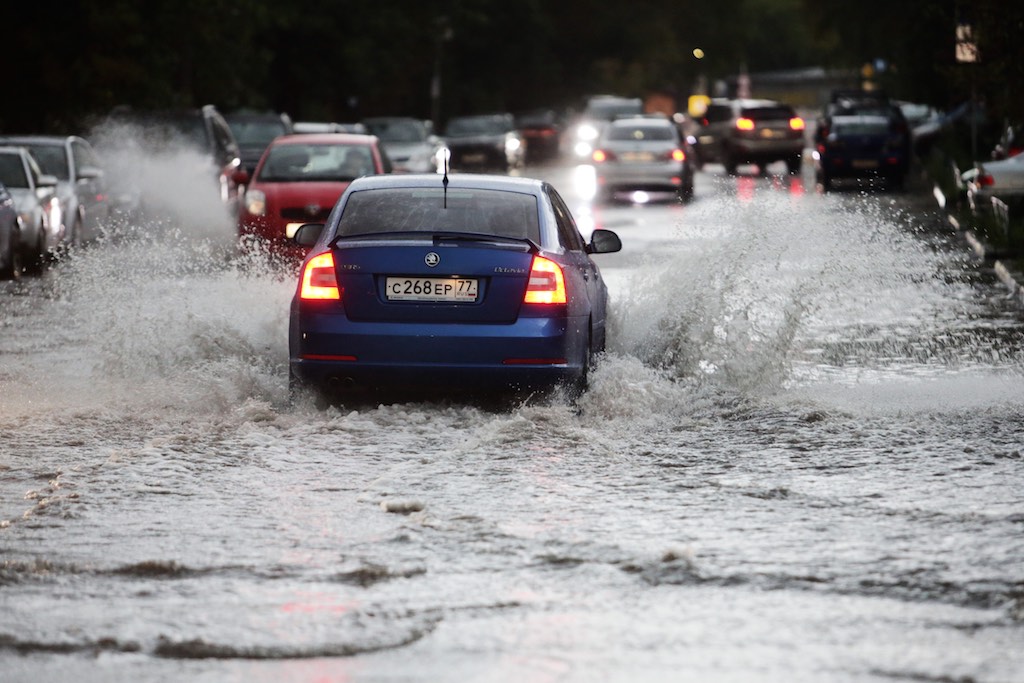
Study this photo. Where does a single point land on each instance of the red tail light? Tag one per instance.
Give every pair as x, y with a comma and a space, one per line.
744, 123
319, 280
547, 284
985, 180
796, 123
677, 155
600, 156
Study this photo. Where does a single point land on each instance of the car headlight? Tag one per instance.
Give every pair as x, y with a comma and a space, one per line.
256, 202
512, 144
586, 132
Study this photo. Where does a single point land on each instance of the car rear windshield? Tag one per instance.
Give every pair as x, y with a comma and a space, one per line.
861, 127
769, 113
490, 212
641, 133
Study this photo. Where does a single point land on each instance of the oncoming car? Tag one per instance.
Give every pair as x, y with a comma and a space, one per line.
298, 180
482, 284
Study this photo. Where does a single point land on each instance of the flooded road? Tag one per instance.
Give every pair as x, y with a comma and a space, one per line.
801, 460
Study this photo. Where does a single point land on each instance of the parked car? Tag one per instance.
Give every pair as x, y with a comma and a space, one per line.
11, 250
173, 131
298, 180
1003, 179
870, 146
748, 131
541, 130
480, 284
254, 131
409, 143
643, 153
35, 199
81, 187
598, 111
484, 142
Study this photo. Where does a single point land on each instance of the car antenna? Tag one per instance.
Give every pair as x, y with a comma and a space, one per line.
444, 181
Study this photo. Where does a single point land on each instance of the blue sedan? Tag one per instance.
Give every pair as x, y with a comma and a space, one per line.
457, 285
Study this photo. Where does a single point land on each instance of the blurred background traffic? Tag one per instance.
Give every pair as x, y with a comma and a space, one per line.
129, 109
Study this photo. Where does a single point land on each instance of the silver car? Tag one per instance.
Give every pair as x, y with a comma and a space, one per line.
81, 190
643, 153
10, 237
410, 143
35, 199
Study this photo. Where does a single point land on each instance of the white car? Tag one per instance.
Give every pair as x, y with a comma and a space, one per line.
1003, 179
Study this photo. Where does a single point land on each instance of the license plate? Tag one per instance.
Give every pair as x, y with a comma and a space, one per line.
637, 156
435, 289
474, 158
865, 163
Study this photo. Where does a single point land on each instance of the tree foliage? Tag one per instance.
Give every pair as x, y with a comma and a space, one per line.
342, 60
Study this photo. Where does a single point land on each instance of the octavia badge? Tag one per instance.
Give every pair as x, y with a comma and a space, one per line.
432, 259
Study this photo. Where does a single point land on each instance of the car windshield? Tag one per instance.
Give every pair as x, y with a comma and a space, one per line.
310, 162
256, 133
398, 131
52, 159
490, 212
12, 172
477, 125
640, 133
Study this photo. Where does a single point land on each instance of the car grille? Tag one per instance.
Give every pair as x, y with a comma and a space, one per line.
300, 213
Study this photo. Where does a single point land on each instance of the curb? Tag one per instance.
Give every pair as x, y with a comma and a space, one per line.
978, 247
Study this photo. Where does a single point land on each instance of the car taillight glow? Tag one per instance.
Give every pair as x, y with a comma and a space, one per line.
600, 156
319, 280
744, 123
678, 155
985, 180
796, 123
546, 285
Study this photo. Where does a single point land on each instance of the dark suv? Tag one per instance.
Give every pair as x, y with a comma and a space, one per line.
734, 132
169, 131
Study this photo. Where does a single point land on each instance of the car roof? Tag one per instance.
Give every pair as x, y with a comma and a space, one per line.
480, 181
642, 120
860, 118
324, 139
38, 139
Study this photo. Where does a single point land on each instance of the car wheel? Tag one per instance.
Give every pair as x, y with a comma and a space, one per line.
730, 162
34, 260
12, 270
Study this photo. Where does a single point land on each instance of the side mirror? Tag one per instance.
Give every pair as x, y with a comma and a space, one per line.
604, 242
47, 180
89, 173
307, 235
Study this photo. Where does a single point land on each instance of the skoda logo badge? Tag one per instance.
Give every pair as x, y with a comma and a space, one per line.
312, 209
432, 259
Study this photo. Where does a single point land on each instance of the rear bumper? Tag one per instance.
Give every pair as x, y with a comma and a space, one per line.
642, 176
333, 352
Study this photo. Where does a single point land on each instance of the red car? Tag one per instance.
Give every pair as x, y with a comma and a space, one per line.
298, 180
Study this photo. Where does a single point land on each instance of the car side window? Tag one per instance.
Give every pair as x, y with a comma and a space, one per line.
568, 234
83, 155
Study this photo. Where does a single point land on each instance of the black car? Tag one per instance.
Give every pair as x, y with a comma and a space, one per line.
541, 130
869, 146
484, 142
254, 131
133, 136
